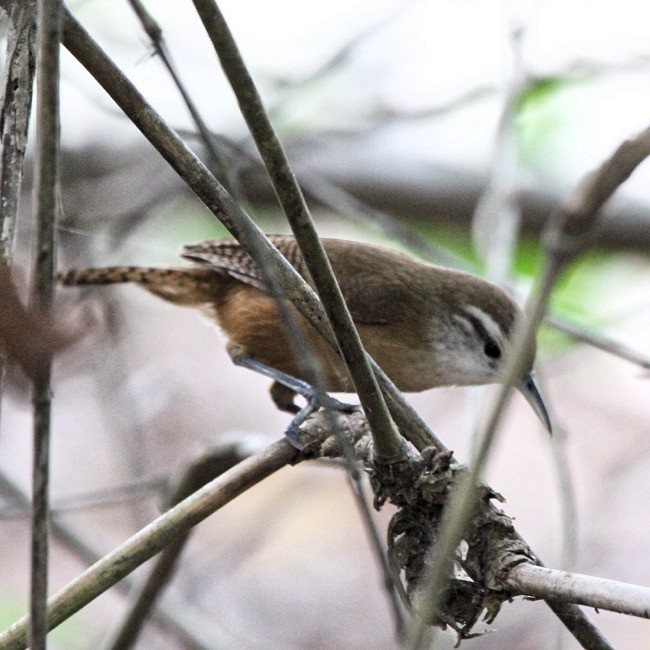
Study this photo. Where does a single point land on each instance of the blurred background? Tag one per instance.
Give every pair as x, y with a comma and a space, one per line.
448, 129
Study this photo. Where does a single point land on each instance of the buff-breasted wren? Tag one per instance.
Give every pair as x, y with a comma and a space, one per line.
425, 325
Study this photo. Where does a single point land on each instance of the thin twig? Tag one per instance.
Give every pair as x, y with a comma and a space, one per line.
600, 593
497, 215
135, 489
46, 205
155, 34
386, 437
597, 340
391, 576
152, 539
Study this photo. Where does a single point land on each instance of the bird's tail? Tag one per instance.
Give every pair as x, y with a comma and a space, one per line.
184, 286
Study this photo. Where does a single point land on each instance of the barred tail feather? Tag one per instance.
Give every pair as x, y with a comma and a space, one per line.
185, 286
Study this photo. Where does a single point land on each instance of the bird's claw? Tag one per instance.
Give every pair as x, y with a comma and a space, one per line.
315, 401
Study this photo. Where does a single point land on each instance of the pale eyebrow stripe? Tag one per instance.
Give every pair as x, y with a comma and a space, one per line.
480, 328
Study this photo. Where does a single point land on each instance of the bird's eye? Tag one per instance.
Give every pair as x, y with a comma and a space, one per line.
492, 350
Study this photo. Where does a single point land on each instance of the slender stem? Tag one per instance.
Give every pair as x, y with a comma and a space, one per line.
155, 34
47, 170
385, 435
596, 340
595, 592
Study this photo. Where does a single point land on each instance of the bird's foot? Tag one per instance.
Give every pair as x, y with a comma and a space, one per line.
315, 401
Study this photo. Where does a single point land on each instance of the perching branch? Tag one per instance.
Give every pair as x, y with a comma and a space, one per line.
540, 582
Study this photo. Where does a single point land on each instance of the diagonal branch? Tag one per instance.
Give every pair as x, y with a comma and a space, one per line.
151, 540
385, 434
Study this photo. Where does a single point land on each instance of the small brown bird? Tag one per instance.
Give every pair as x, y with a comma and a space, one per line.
425, 325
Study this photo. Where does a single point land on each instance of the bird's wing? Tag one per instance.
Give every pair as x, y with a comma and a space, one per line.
227, 255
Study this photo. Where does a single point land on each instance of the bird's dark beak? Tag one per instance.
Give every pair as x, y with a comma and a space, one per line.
531, 393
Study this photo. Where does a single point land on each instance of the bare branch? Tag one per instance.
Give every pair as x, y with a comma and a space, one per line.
385, 434
531, 580
152, 539
604, 343
46, 206
571, 229
136, 489
194, 476
155, 34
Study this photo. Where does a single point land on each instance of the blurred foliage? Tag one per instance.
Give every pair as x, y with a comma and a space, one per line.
10, 610
542, 117
69, 634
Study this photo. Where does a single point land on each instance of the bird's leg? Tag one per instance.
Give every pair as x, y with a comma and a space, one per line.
285, 387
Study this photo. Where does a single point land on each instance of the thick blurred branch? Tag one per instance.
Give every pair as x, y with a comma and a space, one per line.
422, 194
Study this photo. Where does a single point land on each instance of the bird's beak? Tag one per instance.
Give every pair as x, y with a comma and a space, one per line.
531, 393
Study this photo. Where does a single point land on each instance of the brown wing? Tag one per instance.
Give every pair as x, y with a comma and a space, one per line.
369, 276
228, 256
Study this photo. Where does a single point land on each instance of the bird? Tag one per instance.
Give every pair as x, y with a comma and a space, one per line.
425, 325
